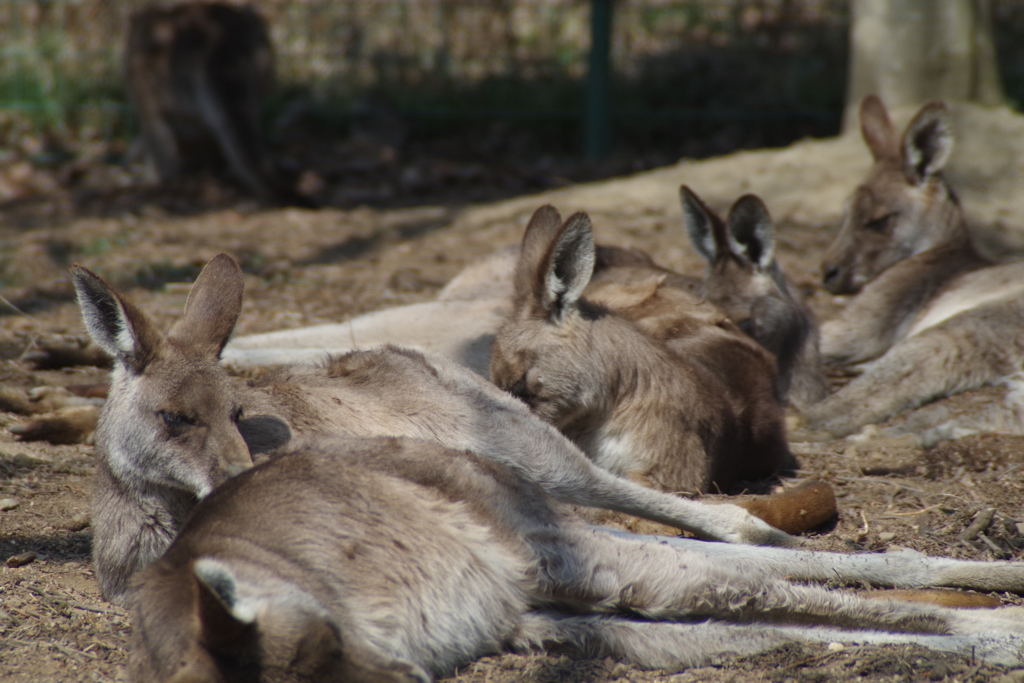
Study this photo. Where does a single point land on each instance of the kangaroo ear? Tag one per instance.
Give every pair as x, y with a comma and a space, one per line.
113, 322
752, 231
540, 232
568, 267
212, 308
223, 618
877, 129
927, 143
706, 230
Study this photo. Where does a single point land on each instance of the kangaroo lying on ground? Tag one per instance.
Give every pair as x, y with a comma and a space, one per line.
932, 315
476, 302
175, 424
745, 281
649, 381
368, 560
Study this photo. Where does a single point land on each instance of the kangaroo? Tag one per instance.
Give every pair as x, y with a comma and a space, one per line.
932, 315
745, 281
175, 425
398, 560
196, 73
476, 302
650, 382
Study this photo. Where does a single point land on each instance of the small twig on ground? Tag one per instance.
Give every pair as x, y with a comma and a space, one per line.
39, 325
980, 523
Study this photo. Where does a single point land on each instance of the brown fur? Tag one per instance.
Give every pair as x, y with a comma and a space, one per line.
937, 596
634, 373
744, 279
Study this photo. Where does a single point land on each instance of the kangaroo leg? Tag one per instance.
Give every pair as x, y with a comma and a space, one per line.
970, 350
903, 569
662, 581
673, 646
504, 431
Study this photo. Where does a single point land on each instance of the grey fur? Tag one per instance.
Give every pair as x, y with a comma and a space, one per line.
176, 426
397, 560
745, 281
932, 315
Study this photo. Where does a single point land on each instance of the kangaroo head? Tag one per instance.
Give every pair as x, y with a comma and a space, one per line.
204, 624
740, 252
904, 207
171, 419
743, 278
544, 353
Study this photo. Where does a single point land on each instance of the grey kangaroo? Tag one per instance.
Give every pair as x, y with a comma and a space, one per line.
398, 560
932, 315
649, 381
745, 281
175, 425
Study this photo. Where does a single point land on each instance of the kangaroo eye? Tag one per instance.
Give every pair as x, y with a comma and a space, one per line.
881, 224
175, 420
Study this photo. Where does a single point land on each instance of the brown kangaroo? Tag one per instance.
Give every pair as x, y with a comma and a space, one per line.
397, 560
745, 281
197, 73
649, 381
932, 315
175, 425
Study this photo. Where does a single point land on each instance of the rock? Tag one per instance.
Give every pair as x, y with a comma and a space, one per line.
9, 504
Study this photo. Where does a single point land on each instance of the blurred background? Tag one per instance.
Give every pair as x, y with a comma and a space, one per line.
394, 102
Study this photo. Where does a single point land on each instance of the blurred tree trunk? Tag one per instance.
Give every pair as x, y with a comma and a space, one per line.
914, 51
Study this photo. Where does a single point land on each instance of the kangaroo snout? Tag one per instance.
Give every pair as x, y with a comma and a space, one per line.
234, 456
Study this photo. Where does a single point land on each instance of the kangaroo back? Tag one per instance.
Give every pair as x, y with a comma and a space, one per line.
744, 279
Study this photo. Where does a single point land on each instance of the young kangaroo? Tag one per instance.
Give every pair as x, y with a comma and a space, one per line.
745, 281
933, 315
196, 73
396, 560
650, 382
175, 426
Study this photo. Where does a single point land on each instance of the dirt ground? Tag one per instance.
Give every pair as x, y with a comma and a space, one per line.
304, 267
